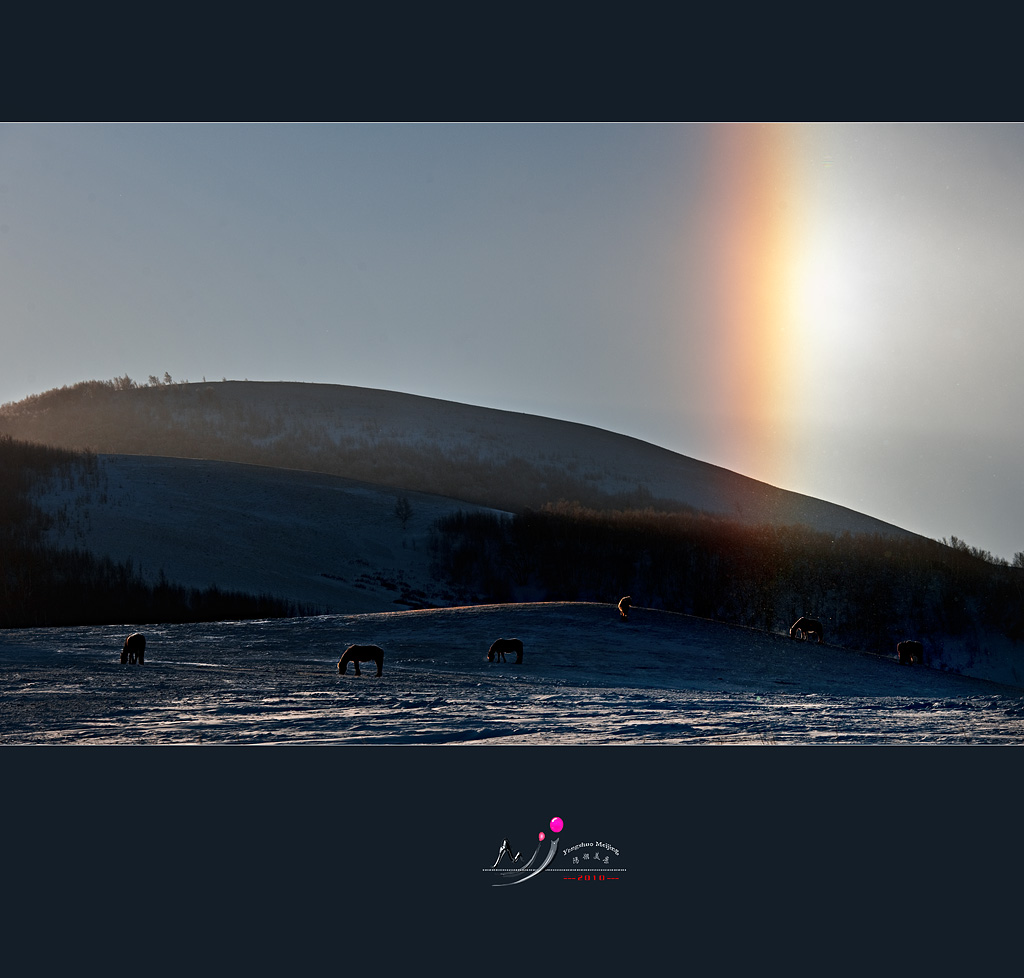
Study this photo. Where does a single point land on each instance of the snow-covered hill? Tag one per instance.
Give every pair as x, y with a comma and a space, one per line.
319, 540
328, 544
339, 545
407, 442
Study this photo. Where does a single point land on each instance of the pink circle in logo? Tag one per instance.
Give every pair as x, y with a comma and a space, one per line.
540, 837
556, 825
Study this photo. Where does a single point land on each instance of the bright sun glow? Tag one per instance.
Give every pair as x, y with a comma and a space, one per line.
825, 303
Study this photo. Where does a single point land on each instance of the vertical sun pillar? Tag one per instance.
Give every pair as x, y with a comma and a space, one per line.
752, 219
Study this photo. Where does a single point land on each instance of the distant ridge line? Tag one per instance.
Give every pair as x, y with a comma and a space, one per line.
486, 456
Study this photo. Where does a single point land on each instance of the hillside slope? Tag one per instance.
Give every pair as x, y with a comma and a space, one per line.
334, 545
488, 457
318, 540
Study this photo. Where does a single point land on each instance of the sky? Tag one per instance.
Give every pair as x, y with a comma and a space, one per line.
834, 309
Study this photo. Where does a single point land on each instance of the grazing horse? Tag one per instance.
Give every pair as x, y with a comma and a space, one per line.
807, 627
496, 653
624, 605
134, 649
362, 653
910, 652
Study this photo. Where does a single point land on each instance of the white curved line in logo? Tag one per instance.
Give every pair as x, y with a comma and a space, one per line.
533, 872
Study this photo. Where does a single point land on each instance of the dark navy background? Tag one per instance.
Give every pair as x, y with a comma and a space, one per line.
276, 852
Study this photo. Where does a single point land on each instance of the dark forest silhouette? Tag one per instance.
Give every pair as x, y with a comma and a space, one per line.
870, 591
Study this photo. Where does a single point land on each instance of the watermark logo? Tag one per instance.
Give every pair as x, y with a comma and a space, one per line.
592, 862
580, 862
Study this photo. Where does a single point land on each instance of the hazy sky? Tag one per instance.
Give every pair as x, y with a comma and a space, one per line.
834, 309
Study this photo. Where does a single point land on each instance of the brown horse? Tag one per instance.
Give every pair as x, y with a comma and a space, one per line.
807, 627
910, 652
362, 653
134, 649
497, 652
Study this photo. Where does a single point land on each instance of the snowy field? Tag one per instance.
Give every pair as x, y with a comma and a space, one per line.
587, 678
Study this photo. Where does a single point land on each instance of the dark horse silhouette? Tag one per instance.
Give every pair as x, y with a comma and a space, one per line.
624, 606
134, 649
362, 653
910, 652
807, 627
502, 646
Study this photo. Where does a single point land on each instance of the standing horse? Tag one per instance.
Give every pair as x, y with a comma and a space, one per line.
134, 649
807, 627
